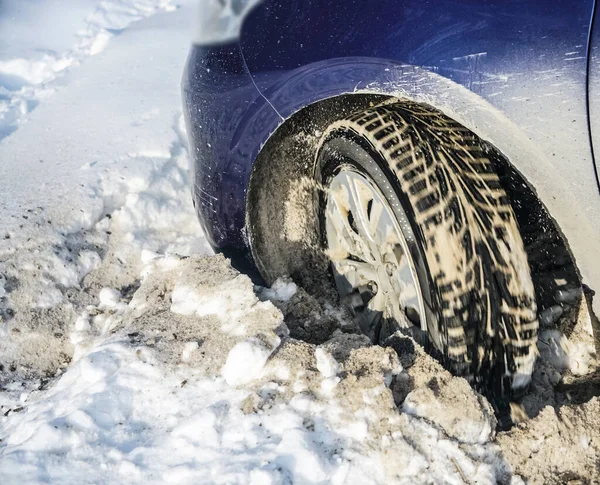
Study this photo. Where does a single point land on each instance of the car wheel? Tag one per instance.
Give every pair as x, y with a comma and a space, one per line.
422, 237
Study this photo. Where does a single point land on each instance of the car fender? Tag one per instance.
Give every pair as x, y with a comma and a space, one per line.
315, 82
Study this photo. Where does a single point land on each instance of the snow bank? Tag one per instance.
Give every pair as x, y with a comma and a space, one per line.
85, 202
231, 407
66, 33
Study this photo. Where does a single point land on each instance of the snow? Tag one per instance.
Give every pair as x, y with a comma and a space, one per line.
326, 364
246, 361
281, 290
129, 353
45, 47
188, 350
109, 297
116, 410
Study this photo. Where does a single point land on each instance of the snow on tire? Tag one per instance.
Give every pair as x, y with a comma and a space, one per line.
479, 281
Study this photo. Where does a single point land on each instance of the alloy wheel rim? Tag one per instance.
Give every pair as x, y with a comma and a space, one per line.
373, 268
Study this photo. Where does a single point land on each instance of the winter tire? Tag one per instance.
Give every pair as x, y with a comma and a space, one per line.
422, 235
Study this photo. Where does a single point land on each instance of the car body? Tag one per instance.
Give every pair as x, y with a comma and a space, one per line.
518, 73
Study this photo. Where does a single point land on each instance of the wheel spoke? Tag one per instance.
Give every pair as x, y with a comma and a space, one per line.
365, 272
369, 321
360, 195
343, 233
377, 303
376, 211
396, 311
372, 263
358, 202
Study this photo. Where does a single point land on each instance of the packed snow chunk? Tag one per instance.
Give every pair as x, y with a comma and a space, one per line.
188, 350
209, 286
186, 301
326, 364
88, 262
581, 358
224, 300
282, 290
452, 405
109, 298
246, 360
147, 256
82, 324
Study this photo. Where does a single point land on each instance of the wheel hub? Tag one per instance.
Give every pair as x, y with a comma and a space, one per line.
373, 269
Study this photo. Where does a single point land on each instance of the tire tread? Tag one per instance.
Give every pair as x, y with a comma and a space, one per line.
486, 299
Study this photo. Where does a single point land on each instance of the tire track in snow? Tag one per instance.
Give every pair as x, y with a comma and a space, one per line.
24, 83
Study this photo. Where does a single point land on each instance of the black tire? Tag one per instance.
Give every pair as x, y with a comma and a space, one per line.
481, 310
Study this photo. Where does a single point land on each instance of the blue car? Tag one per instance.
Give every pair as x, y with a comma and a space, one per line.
433, 159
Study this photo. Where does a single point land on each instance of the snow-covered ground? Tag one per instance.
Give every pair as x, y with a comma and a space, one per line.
130, 354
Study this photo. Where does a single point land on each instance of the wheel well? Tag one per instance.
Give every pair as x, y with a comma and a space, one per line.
282, 195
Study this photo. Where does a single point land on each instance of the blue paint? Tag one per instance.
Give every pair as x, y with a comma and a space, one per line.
526, 58
225, 117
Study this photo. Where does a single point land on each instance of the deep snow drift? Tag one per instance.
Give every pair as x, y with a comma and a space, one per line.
130, 354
